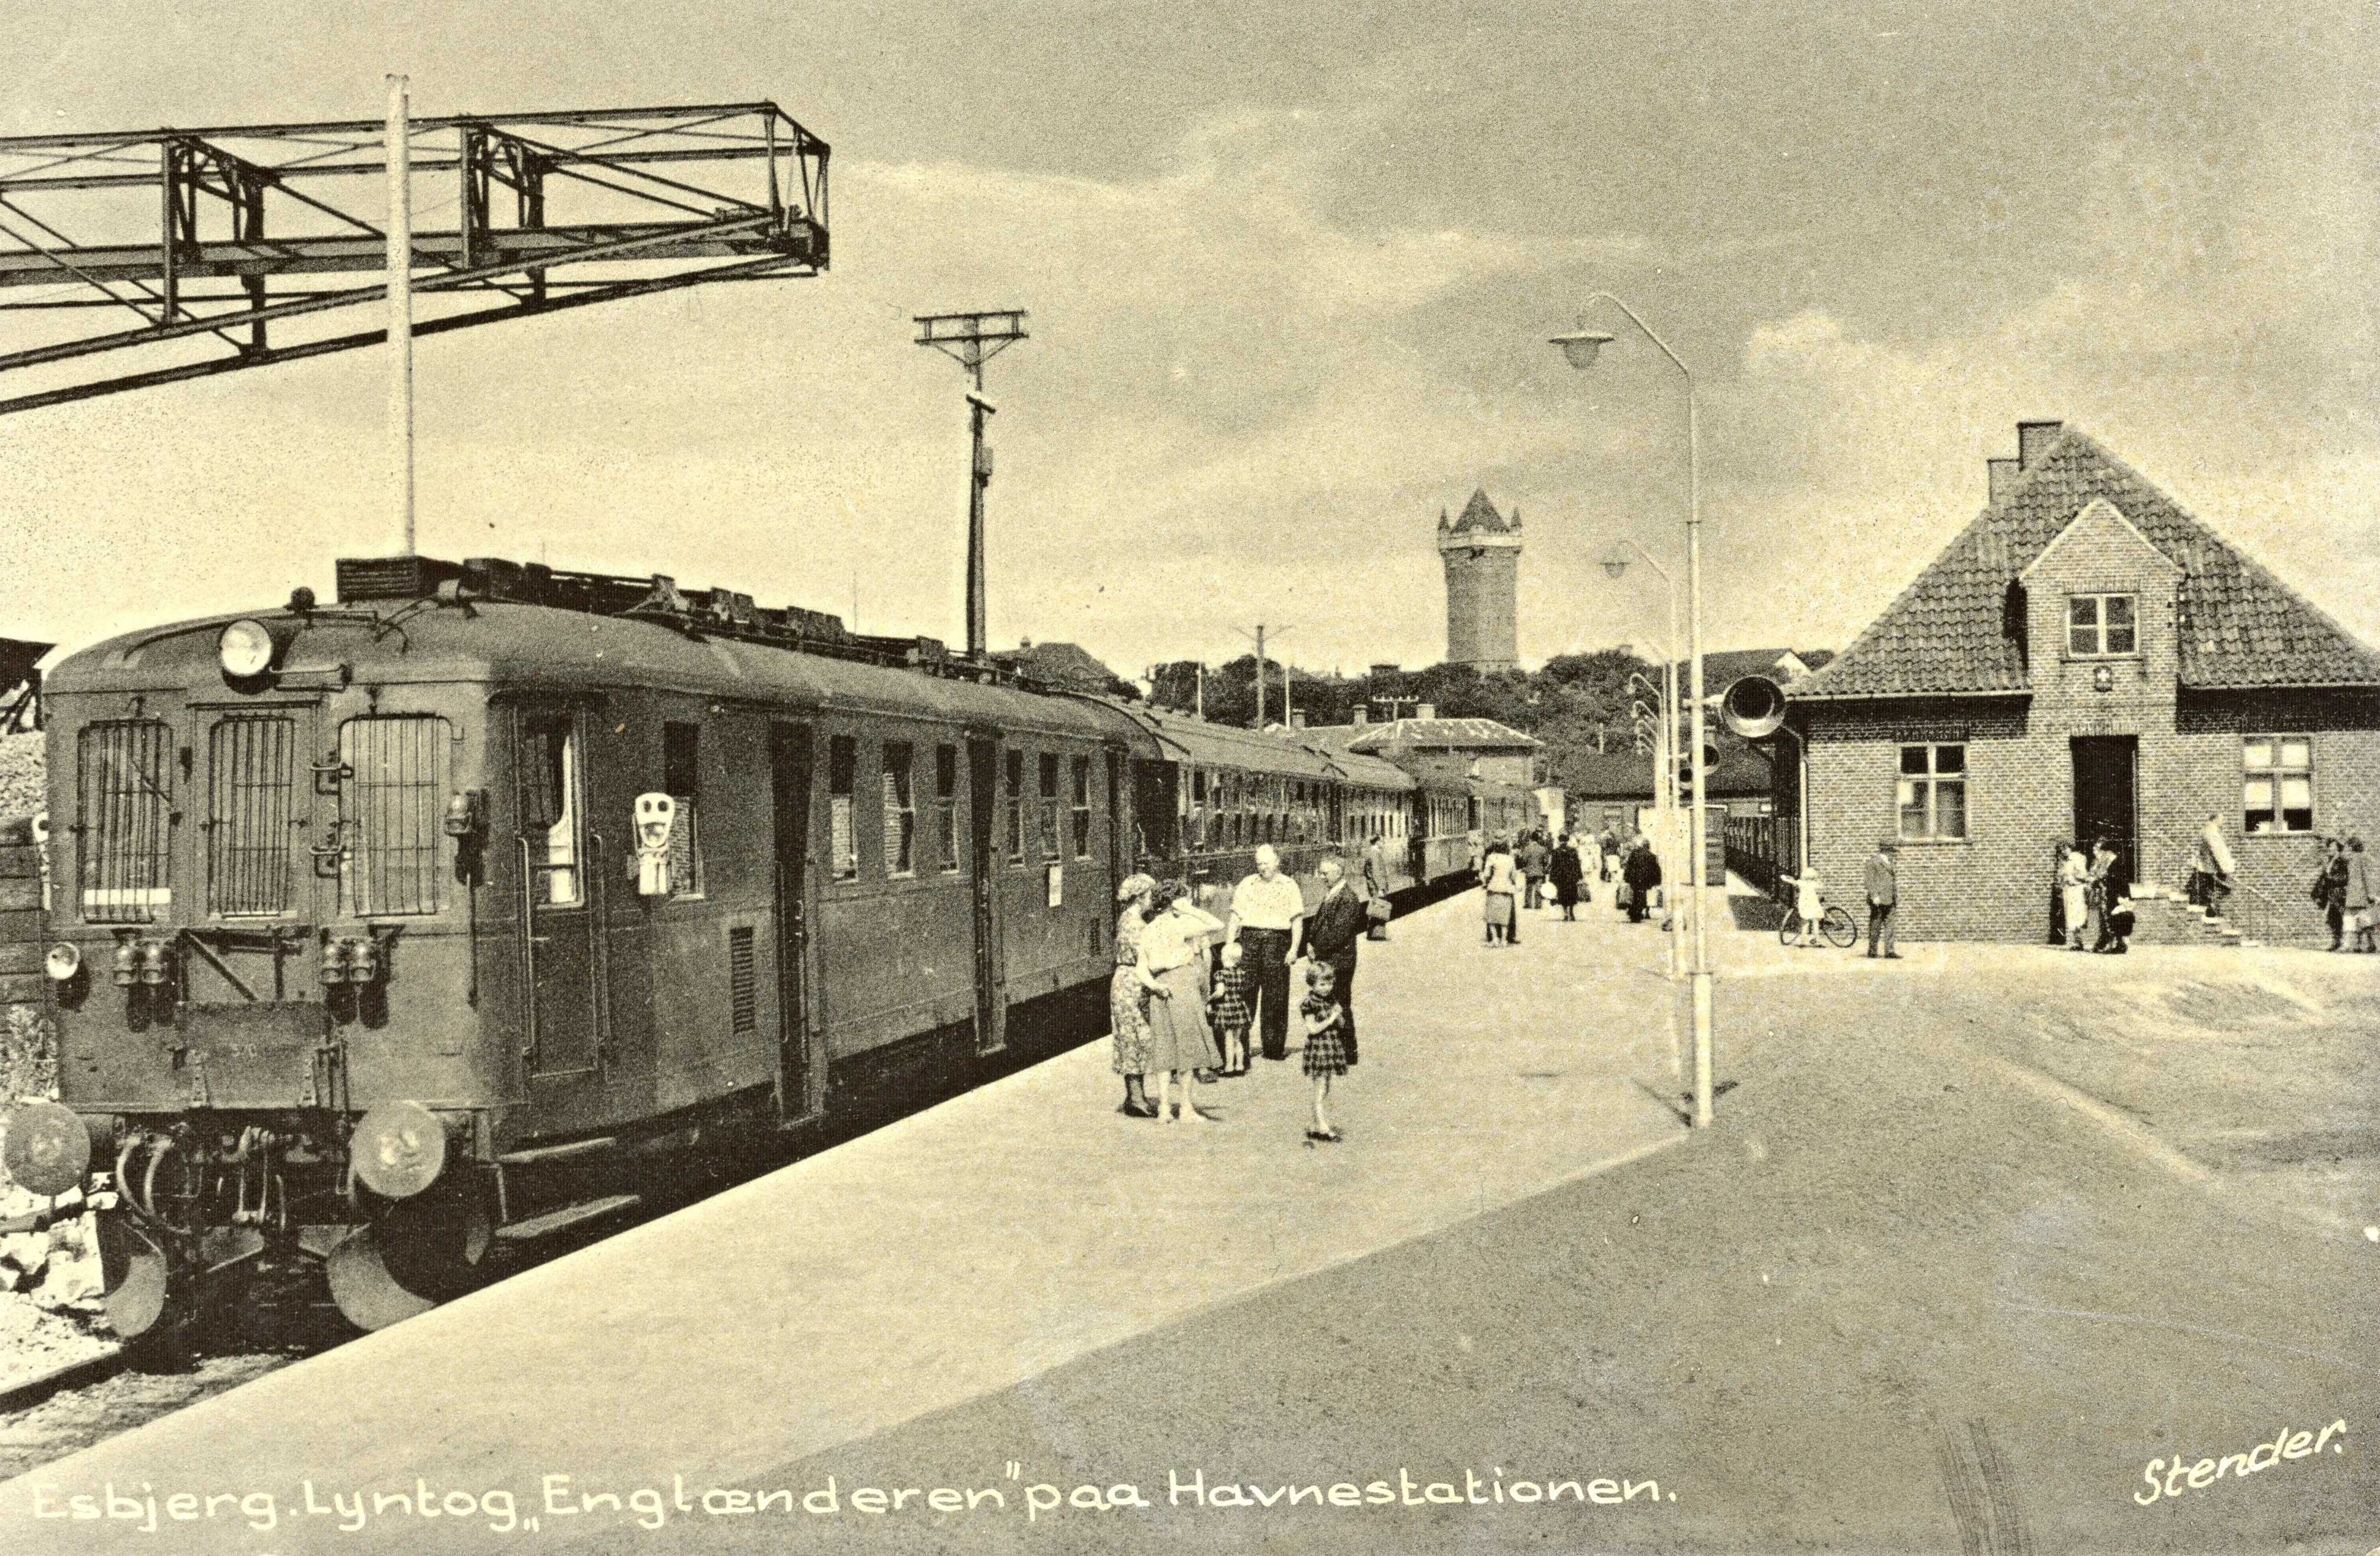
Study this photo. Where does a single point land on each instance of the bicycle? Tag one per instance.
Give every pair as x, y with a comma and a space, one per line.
1835, 926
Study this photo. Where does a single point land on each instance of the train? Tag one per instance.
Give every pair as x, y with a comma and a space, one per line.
453, 913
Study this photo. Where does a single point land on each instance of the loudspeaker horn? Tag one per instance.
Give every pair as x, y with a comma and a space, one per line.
1754, 707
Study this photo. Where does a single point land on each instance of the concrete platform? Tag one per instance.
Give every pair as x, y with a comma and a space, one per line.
956, 1253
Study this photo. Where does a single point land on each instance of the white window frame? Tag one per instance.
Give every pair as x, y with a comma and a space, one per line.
1922, 791
2275, 772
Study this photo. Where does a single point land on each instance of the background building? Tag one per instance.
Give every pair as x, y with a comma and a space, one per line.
1482, 553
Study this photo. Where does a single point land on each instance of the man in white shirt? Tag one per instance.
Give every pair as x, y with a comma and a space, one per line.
1268, 910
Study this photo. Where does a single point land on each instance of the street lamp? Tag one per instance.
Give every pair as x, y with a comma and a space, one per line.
1666, 802
1580, 348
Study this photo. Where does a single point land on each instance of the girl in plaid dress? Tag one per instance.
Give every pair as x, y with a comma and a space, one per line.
1232, 1015
1325, 1052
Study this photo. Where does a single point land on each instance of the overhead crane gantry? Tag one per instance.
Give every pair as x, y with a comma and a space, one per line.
191, 230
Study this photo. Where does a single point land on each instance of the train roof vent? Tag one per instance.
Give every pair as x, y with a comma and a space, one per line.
393, 577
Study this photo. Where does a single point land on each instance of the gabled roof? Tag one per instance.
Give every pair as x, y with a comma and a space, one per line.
2239, 626
1480, 514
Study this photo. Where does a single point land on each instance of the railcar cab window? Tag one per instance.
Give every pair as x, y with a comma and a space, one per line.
251, 776
900, 812
1049, 805
124, 811
1933, 793
2101, 626
682, 780
841, 772
551, 806
946, 805
2278, 791
1082, 816
1016, 807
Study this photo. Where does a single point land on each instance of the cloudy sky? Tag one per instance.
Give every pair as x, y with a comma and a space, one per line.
1291, 268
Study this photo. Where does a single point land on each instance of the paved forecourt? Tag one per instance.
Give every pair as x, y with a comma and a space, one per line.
959, 1252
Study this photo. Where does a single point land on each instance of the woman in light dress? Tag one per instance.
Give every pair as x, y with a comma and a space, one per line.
1128, 1001
1173, 968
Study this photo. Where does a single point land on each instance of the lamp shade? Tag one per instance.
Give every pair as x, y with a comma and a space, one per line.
1581, 345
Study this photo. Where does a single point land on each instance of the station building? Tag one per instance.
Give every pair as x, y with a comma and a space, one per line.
2088, 660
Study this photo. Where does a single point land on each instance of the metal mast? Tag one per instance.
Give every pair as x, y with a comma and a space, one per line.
971, 340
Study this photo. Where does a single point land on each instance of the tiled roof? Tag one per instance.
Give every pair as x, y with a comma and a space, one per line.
1732, 664
1480, 513
1741, 772
2240, 627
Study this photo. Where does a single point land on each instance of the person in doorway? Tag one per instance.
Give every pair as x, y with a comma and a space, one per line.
2360, 914
1325, 1020
1331, 936
2210, 871
1883, 895
2074, 892
1640, 877
2330, 889
2101, 893
1501, 883
1128, 997
1266, 911
1566, 872
1173, 969
1229, 1011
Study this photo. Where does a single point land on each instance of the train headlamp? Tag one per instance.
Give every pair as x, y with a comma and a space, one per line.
156, 962
247, 651
127, 962
334, 961
63, 962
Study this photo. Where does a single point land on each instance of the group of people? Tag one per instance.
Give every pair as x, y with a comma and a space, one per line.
1190, 988
1514, 877
2345, 886
2091, 917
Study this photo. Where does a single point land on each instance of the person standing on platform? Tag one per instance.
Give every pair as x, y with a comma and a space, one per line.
2360, 897
2330, 889
1228, 1009
1267, 908
1331, 936
1173, 970
1608, 846
1883, 897
1500, 879
2074, 892
1641, 876
1532, 857
1325, 1020
1376, 870
1566, 872
1128, 997
2210, 871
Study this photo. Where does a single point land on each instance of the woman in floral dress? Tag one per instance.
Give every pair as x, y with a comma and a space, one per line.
1128, 1000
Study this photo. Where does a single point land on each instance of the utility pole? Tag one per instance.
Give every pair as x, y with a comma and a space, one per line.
400, 308
1259, 641
971, 339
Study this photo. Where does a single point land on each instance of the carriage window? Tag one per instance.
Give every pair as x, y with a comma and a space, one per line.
1049, 805
1082, 807
1016, 805
123, 814
393, 808
946, 805
841, 772
251, 770
682, 780
900, 812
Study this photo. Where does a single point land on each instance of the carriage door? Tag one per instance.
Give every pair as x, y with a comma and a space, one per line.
983, 811
789, 772
558, 887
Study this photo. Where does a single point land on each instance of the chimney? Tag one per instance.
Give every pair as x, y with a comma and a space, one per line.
2000, 473
2033, 440
1363, 716
1426, 710
1297, 718
1381, 672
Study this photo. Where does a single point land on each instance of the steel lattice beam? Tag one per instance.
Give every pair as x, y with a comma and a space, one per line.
189, 230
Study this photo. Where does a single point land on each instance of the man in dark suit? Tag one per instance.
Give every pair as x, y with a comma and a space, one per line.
1883, 885
1333, 935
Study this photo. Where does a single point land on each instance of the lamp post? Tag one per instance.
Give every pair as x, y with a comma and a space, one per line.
1580, 349
1665, 802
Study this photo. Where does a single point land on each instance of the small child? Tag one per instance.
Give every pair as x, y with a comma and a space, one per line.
1229, 1004
1326, 1048
1809, 906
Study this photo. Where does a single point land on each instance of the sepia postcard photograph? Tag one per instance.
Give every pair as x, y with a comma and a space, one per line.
1086, 776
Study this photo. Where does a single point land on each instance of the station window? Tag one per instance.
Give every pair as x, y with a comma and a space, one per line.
1082, 816
2101, 626
549, 808
123, 810
1932, 793
946, 805
900, 811
1016, 806
842, 775
682, 781
251, 773
1049, 805
2279, 785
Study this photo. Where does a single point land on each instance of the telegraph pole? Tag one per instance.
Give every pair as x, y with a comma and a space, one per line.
970, 339
1259, 641
400, 307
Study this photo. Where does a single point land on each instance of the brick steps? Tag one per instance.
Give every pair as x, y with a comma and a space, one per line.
2160, 917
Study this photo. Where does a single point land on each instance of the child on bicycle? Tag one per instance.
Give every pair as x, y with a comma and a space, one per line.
1809, 905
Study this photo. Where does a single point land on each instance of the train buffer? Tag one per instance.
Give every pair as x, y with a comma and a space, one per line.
958, 1251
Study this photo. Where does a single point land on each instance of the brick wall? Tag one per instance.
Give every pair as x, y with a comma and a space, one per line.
1482, 606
